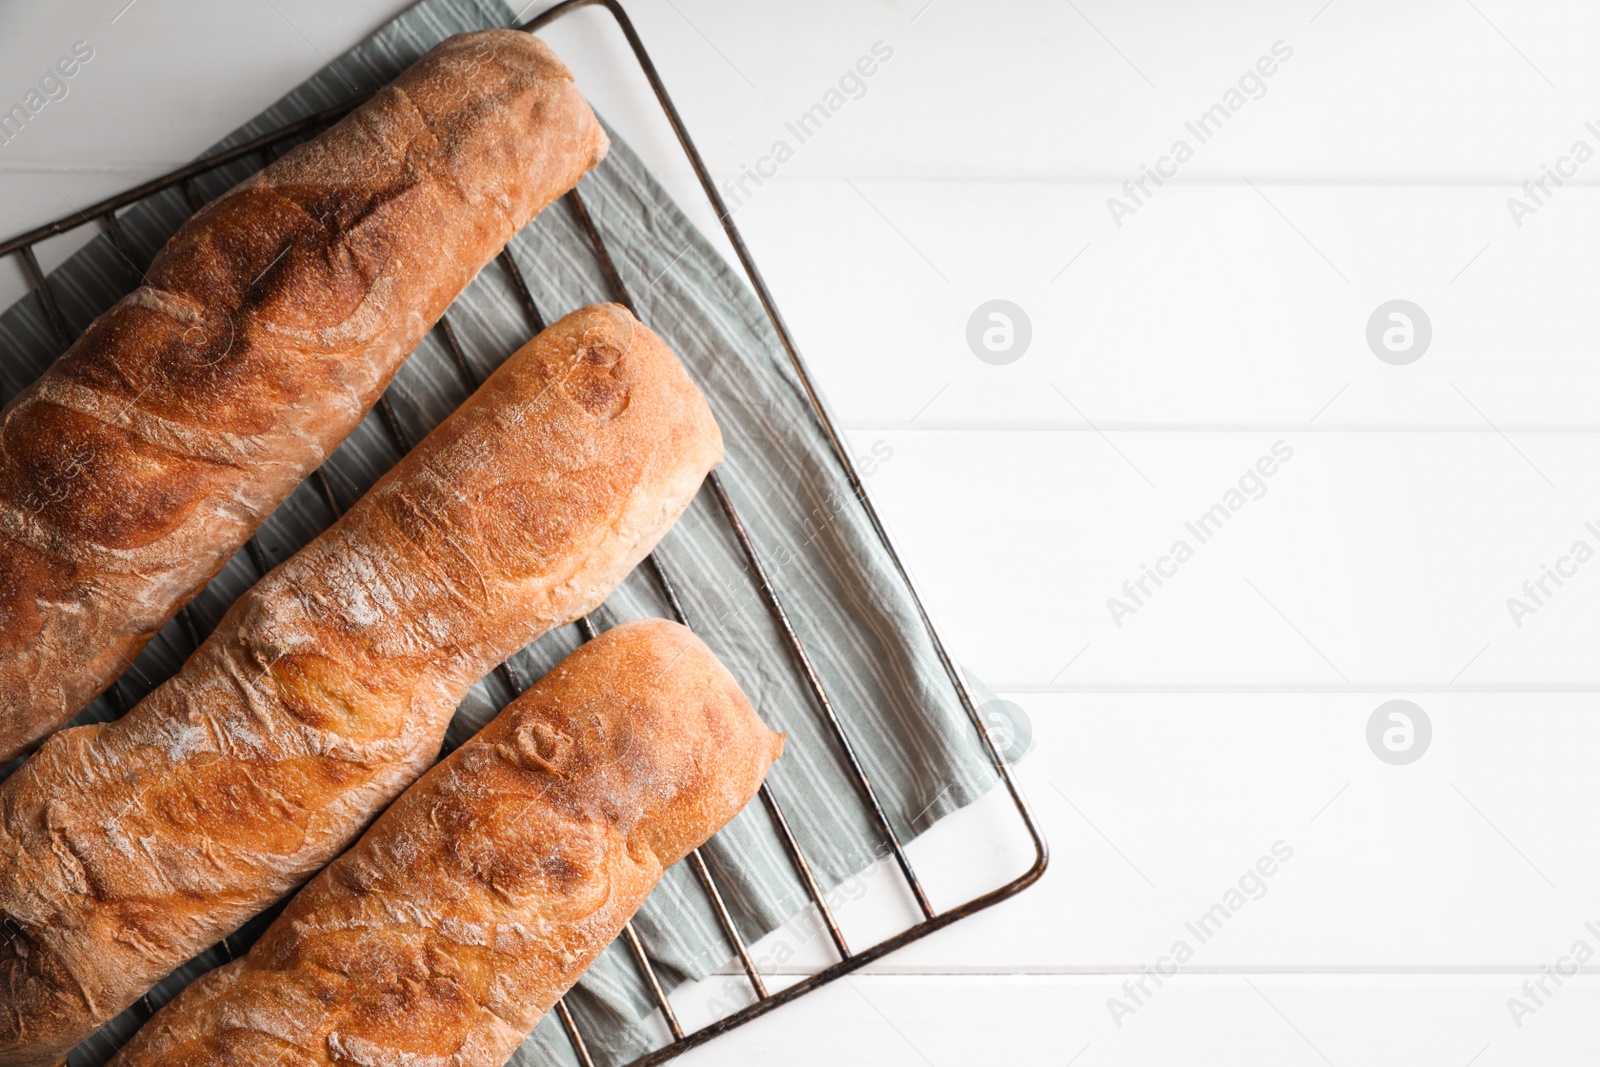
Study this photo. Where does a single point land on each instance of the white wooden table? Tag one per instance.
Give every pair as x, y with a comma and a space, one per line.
1179, 742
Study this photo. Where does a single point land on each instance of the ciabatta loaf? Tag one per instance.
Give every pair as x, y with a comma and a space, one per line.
270, 323
128, 847
484, 892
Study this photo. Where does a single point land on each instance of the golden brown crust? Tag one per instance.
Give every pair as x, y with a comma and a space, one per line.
152, 450
127, 847
483, 893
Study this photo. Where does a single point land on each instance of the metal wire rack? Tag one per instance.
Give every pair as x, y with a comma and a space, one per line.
266, 148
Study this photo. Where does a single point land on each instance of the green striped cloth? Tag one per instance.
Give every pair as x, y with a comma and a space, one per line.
844, 596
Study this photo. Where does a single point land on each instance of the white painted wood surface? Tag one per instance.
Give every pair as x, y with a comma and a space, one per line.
1225, 314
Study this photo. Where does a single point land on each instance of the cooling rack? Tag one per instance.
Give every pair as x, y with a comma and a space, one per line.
265, 148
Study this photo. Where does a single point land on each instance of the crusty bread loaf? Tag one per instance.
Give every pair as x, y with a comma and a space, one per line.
153, 449
484, 892
127, 847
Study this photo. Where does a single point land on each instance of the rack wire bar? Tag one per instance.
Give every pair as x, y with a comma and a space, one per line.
608, 266
835, 724
268, 147
119, 241
258, 557
770, 595
697, 861
190, 630
47, 297
392, 422
656, 992
696, 858
570, 1025
520, 284
768, 797
457, 356
325, 488
802, 866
